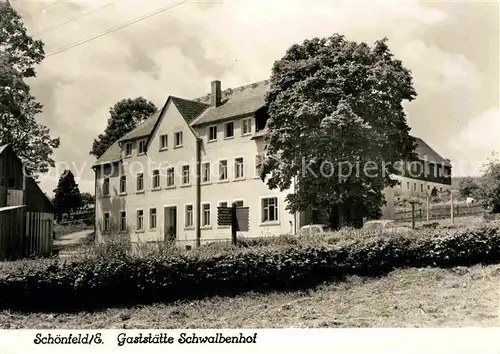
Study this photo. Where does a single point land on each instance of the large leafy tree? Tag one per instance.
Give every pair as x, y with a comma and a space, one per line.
67, 197
337, 126
124, 116
489, 185
19, 54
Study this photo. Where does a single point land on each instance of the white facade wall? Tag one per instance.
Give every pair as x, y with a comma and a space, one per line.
249, 189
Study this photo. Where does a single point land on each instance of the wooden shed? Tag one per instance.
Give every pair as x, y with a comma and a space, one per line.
26, 214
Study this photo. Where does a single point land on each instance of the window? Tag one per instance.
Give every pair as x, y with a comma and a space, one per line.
123, 184
239, 168
223, 204
408, 185
106, 222
246, 126
185, 174
414, 186
223, 170
152, 218
163, 141
269, 209
140, 182
189, 216
428, 187
123, 221
105, 186
142, 146
421, 187
229, 131
212, 133
178, 139
140, 220
128, 149
205, 221
239, 203
170, 177
156, 178
205, 172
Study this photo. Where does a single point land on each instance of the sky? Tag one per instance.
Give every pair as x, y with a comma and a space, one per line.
452, 49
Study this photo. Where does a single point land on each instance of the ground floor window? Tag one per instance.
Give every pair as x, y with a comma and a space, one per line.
269, 209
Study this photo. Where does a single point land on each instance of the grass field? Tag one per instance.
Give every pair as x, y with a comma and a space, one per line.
427, 297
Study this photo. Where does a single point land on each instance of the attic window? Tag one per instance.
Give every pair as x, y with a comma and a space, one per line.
128, 149
178, 139
142, 146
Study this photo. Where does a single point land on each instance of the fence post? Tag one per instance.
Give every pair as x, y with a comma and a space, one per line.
427, 209
412, 215
234, 223
451, 201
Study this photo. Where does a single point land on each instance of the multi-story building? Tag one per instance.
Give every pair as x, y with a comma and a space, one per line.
429, 175
166, 178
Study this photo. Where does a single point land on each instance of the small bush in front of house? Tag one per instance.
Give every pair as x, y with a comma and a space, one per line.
115, 276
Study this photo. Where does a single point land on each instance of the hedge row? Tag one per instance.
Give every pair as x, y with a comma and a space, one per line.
119, 278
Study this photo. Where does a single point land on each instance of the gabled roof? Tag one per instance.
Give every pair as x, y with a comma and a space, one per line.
236, 102
113, 154
143, 129
425, 152
189, 109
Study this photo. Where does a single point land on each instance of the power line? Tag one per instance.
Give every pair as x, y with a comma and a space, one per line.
73, 19
46, 7
157, 12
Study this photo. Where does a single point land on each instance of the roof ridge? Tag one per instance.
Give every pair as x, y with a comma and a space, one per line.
230, 90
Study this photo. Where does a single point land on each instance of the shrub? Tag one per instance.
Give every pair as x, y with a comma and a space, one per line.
113, 274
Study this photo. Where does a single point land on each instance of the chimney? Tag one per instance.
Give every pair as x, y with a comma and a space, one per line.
216, 93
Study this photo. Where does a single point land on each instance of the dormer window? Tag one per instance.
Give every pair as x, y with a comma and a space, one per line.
142, 147
128, 149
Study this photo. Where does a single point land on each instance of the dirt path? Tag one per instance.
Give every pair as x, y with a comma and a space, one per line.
71, 240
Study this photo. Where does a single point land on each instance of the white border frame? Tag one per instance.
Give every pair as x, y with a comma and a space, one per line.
227, 171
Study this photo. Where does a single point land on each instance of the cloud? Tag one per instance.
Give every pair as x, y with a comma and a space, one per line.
180, 50
474, 144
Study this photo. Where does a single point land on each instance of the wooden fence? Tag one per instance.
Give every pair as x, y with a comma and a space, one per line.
438, 212
25, 234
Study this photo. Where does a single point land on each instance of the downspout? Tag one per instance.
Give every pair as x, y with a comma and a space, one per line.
198, 191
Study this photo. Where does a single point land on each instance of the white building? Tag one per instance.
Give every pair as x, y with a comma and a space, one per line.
147, 185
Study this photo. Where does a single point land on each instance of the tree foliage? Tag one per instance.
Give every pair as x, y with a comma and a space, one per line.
19, 53
124, 116
87, 199
489, 185
337, 125
67, 196
468, 187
